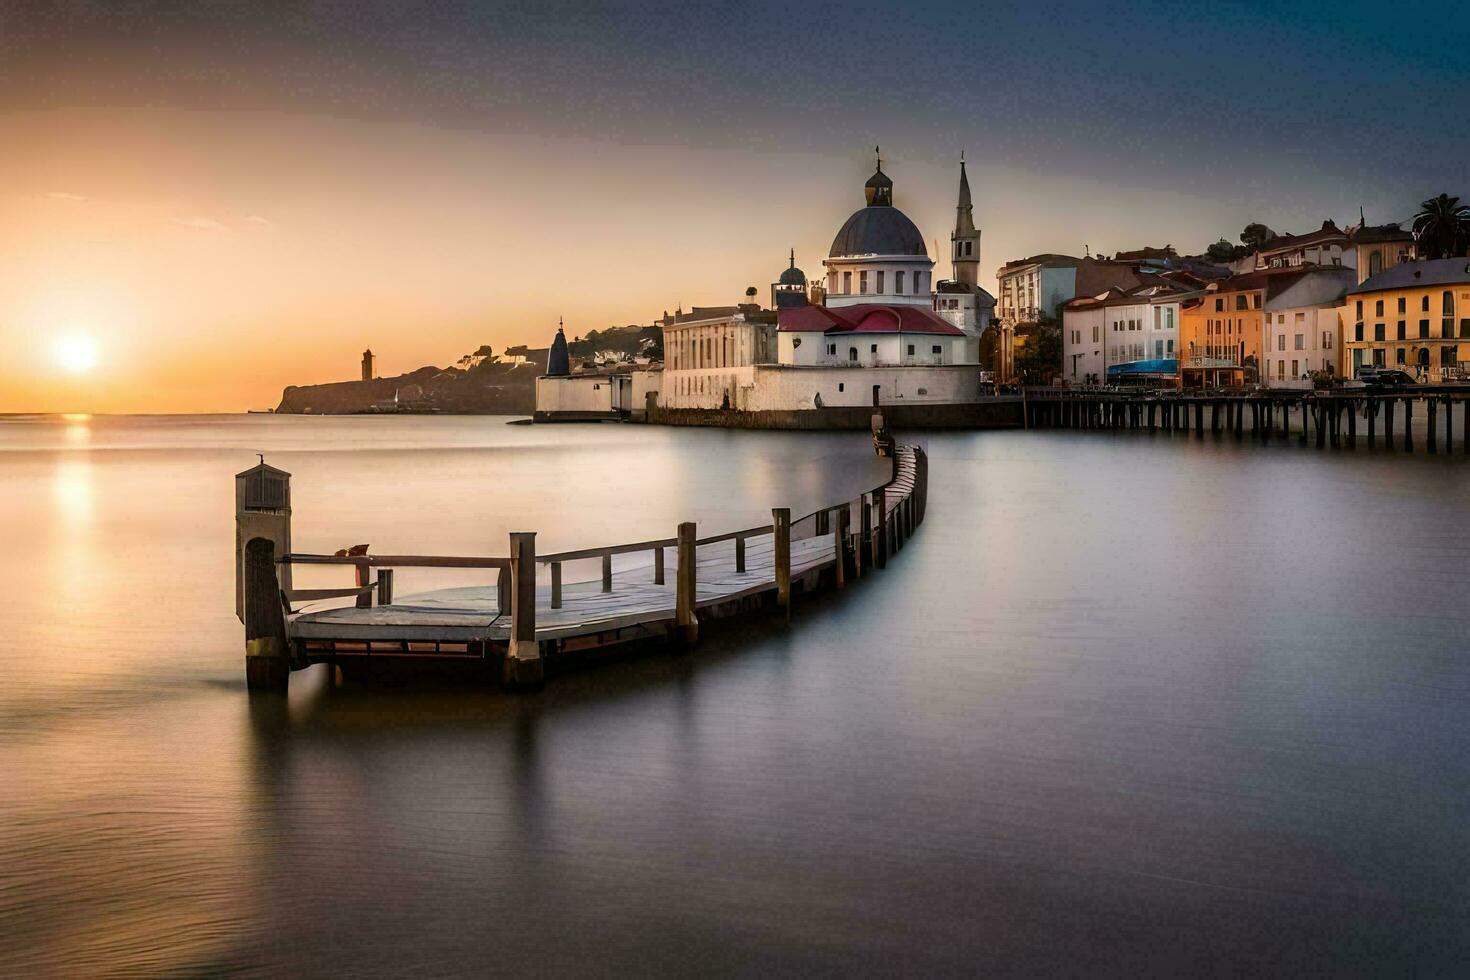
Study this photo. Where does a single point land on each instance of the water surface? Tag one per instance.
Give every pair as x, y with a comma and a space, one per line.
1125, 703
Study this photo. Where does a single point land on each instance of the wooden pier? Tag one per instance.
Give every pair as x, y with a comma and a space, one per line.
518, 624
1336, 417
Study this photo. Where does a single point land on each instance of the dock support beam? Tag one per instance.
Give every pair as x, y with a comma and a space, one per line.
781, 532
739, 556
658, 566
556, 585
267, 651
607, 573
880, 538
524, 669
685, 581
839, 545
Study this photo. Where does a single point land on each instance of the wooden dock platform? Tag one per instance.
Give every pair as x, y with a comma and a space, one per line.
529, 615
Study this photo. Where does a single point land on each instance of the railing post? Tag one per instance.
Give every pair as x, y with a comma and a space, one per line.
267, 650
607, 573
556, 585
860, 553
839, 545
363, 578
385, 586
740, 556
658, 565
523, 666
781, 533
685, 616
502, 592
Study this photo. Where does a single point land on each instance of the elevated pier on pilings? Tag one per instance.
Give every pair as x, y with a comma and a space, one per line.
1339, 418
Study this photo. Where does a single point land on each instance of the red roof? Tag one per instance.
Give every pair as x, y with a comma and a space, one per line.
865, 318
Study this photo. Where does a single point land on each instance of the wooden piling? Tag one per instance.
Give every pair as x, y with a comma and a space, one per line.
739, 556
1388, 422
524, 669
556, 584
781, 532
1449, 425
1431, 405
1409, 424
1371, 408
1352, 419
880, 537
863, 553
607, 573
267, 650
658, 566
385, 586
685, 581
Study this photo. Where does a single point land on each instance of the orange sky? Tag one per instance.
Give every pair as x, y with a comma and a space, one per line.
217, 257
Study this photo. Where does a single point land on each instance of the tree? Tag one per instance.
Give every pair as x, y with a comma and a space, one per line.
1442, 228
1256, 236
1039, 359
1221, 251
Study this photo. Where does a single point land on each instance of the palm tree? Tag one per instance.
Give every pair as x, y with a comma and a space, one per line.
1442, 227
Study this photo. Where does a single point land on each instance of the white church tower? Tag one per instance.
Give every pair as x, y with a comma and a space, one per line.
960, 300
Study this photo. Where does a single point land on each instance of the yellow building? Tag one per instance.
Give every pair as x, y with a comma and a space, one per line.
1220, 334
1414, 316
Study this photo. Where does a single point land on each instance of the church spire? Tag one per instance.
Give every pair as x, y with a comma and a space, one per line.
965, 242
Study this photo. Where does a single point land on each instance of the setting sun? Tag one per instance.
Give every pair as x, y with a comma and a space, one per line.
76, 353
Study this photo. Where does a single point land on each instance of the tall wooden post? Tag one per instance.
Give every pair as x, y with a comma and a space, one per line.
1286, 419
839, 544
503, 590
1449, 425
781, 532
1431, 405
385, 586
1371, 408
556, 585
880, 539
524, 669
1409, 424
1307, 404
686, 617
607, 573
739, 556
267, 650
658, 565
1388, 422
1352, 417
863, 553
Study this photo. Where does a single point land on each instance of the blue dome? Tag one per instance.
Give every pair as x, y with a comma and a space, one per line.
878, 230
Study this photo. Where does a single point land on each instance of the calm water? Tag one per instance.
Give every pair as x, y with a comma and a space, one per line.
1124, 704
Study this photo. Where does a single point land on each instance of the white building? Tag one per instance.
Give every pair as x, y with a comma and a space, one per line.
1302, 325
1120, 332
710, 354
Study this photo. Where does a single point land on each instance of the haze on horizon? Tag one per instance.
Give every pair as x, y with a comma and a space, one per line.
226, 201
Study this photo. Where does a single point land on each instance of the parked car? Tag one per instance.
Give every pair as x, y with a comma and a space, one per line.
1385, 377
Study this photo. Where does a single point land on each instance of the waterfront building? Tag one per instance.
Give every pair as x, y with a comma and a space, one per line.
1303, 329
1221, 331
367, 364
878, 255
1036, 288
1126, 334
710, 354
1414, 315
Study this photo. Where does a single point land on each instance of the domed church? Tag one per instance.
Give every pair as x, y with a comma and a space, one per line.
878, 255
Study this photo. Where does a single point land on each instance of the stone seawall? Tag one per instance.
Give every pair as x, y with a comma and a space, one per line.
999, 413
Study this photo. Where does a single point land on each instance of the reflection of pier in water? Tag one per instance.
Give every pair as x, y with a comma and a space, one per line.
519, 624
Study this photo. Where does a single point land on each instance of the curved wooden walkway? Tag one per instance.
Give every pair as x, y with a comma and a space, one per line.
522, 616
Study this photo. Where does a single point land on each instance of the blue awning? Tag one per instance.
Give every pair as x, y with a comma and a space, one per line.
1160, 366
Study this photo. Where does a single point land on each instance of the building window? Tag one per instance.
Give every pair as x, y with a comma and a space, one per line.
1403, 335
1219, 304
1378, 332
1360, 309
1448, 306
873, 349
1358, 332
852, 353
847, 283
880, 282
1398, 356
911, 350
1171, 346
1281, 341
863, 282
1378, 308
1293, 367
1256, 301
1424, 303
1423, 329
968, 247
832, 349
1301, 343
1241, 303
1447, 327
1375, 263
840, 386
898, 282
1465, 326
1327, 340
1449, 356
938, 349
1403, 302
1378, 357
